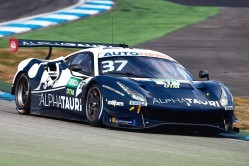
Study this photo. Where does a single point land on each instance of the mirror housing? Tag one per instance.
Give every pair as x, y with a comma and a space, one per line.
204, 74
75, 67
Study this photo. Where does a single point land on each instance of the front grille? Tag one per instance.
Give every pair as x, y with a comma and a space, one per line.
196, 117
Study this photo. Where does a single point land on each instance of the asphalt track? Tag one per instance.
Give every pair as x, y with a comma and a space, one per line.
219, 45
45, 141
32, 140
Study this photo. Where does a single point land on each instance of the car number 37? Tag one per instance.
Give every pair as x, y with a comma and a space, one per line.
117, 65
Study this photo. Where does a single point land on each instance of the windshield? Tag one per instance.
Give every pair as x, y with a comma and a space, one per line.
142, 67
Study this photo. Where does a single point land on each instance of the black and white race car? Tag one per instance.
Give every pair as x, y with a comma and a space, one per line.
118, 86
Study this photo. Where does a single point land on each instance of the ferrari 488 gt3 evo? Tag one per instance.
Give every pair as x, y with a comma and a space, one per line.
118, 86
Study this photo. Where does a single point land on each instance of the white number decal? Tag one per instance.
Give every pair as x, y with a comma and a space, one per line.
122, 65
109, 65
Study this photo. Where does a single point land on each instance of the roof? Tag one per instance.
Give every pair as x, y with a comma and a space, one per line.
109, 52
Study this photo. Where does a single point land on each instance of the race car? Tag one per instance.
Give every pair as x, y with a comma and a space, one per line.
118, 86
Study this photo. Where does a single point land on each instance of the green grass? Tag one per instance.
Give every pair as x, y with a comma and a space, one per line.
134, 21
244, 132
5, 87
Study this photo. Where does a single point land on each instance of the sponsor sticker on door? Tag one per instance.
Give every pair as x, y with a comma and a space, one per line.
73, 82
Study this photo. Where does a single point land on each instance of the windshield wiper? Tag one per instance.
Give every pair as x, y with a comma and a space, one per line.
127, 74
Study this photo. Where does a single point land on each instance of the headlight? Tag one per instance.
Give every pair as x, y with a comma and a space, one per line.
132, 93
223, 98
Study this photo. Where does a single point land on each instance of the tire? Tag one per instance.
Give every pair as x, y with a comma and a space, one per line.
22, 94
94, 106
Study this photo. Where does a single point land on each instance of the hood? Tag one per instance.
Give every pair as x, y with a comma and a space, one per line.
182, 94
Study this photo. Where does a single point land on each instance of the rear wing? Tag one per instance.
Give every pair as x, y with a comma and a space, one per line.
14, 44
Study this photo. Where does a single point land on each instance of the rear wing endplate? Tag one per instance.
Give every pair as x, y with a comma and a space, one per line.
14, 44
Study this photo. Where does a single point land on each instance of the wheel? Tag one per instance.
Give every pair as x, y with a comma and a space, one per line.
22, 93
94, 106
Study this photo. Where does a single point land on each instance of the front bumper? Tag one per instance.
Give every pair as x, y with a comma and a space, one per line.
149, 118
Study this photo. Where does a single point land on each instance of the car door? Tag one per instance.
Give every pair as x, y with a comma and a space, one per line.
77, 81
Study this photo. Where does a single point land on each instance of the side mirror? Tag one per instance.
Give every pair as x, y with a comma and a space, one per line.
75, 67
204, 74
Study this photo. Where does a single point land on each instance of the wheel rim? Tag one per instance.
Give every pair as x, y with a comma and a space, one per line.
94, 104
22, 92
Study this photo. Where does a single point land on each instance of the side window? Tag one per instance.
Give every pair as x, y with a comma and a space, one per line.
85, 60
70, 59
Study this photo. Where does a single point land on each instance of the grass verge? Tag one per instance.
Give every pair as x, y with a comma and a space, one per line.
244, 132
134, 21
242, 112
5, 87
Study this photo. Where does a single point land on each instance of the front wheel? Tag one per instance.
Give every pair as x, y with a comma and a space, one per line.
94, 106
22, 93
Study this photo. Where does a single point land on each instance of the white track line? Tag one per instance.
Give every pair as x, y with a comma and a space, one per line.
77, 11
80, 2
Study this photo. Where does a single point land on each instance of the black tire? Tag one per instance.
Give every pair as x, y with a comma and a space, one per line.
22, 94
94, 106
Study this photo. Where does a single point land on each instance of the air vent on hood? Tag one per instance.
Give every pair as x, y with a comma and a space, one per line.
202, 89
186, 86
144, 88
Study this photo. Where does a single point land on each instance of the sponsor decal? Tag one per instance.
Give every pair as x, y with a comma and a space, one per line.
132, 53
74, 86
63, 44
123, 121
115, 103
63, 102
188, 101
48, 83
138, 109
140, 103
173, 84
70, 91
73, 82
120, 54
155, 54
229, 108
113, 90
81, 84
79, 89
167, 83
13, 43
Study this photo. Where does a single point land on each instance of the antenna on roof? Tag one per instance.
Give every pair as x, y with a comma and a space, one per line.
112, 30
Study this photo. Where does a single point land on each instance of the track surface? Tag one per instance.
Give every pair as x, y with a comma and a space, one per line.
14, 9
52, 142
219, 45
31, 140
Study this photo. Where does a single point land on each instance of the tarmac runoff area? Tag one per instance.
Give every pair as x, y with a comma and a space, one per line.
32, 140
